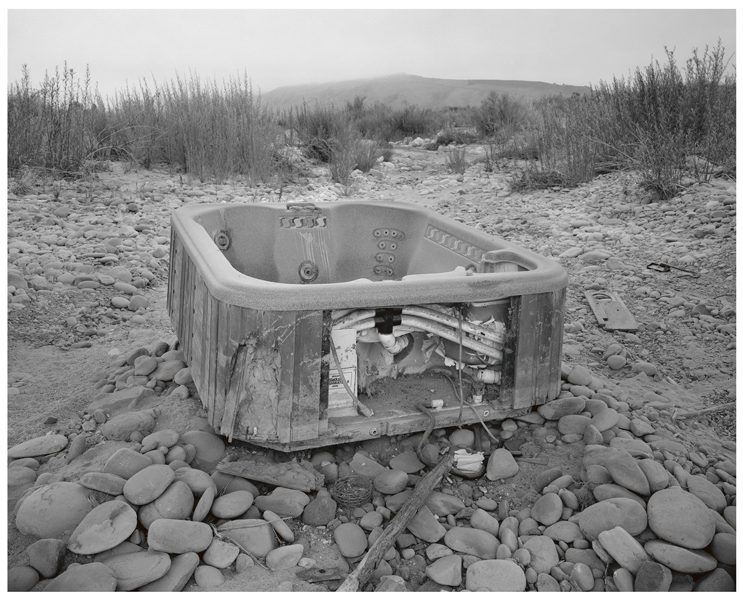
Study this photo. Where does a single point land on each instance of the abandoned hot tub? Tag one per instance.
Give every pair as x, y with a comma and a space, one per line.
273, 304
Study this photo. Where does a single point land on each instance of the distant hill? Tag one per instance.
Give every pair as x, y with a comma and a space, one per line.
424, 92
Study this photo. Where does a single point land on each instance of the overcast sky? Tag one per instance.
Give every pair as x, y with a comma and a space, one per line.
288, 47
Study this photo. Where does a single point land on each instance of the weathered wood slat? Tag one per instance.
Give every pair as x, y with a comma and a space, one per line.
305, 412
558, 311
286, 342
207, 391
543, 349
199, 327
233, 367
526, 368
175, 286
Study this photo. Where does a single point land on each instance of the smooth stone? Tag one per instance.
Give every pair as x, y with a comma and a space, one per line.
321, 510
543, 553
181, 569
608, 491
163, 437
426, 527
655, 473
279, 525
285, 557
210, 448
624, 580
19, 475
573, 424
123, 548
178, 536
583, 577
176, 502
548, 509
729, 515
366, 466
556, 409
605, 419
255, 535
371, 520
443, 504
547, 583
607, 514
446, 570
680, 559
220, 554
205, 504
123, 401
351, 539
707, 492
53, 510
564, 531
232, 505
544, 478
681, 518
407, 461
472, 541
197, 480
167, 369
501, 465
40, 446
592, 435
136, 569
652, 577
723, 548
495, 576
625, 471
391, 481
108, 483
207, 577
284, 502
147, 485
46, 556
104, 527
580, 375
640, 428
718, 580
22, 578
391, 583
395, 503
483, 521
125, 463
435, 551
121, 427
508, 538
92, 577
586, 556
462, 438
623, 548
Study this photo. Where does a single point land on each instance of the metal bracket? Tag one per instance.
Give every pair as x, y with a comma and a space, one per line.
664, 268
610, 311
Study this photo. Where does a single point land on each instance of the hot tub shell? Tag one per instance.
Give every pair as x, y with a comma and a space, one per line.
257, 339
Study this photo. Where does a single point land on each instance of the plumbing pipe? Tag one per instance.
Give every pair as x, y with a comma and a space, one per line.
485, 375
345, 321
497, 336
392, 344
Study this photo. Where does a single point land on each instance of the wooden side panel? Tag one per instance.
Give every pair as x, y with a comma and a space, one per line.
207, 391
285, 324
187, 308
327, 325
543, 348
174, 291
510, 348
527, 351
555, 359
200, 329
305, 414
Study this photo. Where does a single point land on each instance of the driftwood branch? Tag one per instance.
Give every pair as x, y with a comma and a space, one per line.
361, 574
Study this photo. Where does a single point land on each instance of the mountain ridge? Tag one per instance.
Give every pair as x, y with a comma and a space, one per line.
399, 89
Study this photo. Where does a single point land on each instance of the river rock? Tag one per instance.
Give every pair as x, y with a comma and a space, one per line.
573, 424
543, 553
279, 526
123, 401
285, 557
46, 556
177, 536
586, 556
371, 520
232, 505
181, 568
707, 492
205, 504
321, 510
564, 531
210, 449
483, 521
125, 462
136, 569
501, 465
351, 539
605, 515
548, 509
92, 577
547, 583
255, 535
148, 484
680, 559
605, 419
443, 504
22, 578
391, 481
624, 471
681, 518
207, 577
655, 473
197, 480
583, 577
284, 502
718, 580
108, 483
495, 576
220, 554
176, 502
472, 541
446, 571
164, 437
40, 446
54, 510
607, 491
623, 548
104, 527
366, 466
723, 548
462, 438
556, 409
425, 526
407, 461
652, 577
